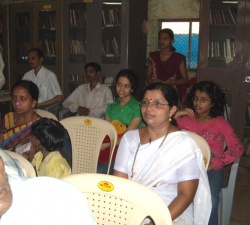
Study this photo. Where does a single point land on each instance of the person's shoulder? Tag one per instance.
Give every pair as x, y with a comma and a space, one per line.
220, 120
103, 86
179, 55
134, 101
155, 53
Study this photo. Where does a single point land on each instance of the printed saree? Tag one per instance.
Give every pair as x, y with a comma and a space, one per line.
14, 135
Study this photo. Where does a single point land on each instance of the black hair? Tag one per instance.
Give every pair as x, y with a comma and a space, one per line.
170, 34
50, 133
29, 86
94, 65
38, 51
168, 91
128, 74
215, 94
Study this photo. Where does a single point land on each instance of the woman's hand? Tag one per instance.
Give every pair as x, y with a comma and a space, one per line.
184, 112
186, 192
210, 166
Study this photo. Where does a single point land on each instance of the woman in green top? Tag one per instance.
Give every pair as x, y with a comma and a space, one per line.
124, 114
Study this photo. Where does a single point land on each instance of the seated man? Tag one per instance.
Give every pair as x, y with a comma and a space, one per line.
49, 90
90, 99
40, 200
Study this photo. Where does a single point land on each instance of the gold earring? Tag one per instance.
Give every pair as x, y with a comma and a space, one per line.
169, 119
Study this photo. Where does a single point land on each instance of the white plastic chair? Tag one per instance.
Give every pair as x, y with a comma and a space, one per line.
86, 135
202, 143
114, 200
26, 165
226, 196
47, 114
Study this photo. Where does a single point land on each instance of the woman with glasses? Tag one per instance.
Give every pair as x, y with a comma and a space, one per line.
204, 116
166, 159
124, 113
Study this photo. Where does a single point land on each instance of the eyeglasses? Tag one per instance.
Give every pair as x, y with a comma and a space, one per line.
156, 104
202, 100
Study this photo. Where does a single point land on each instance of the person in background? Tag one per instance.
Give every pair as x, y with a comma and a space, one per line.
168, 66
90, 99
49, 90
166, 159
47, 137
204, 116
124, 114
16, 126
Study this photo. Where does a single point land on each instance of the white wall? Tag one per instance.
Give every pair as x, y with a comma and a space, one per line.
167, 9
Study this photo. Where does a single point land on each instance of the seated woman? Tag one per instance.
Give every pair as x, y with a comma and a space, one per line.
47, 137
124, 113
166, 159
16, 126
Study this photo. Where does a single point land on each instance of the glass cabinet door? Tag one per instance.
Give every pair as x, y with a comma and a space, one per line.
77, 33
222, 33
47, 35
22, 37
111, 32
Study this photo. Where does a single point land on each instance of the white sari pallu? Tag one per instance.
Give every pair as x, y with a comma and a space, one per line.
157, 168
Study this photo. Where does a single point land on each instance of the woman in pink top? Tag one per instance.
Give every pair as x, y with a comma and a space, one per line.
204, 116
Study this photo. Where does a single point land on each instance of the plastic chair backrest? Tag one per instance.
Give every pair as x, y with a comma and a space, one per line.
202, 143
47, 114
115, 200
86, 135
27, 166
226, 196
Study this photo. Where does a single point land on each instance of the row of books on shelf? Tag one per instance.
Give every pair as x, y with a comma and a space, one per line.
76, 78
77, 47
22, 22
48, 47
110, 47
77, 18
47, 20
221, 49
111, 16
225, 15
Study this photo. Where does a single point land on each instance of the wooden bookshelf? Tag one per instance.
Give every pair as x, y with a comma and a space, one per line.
113, 38
36, 25
225, 57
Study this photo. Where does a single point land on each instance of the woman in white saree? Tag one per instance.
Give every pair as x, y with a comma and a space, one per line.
165, 159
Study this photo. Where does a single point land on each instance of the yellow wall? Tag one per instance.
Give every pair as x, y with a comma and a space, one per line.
167, 9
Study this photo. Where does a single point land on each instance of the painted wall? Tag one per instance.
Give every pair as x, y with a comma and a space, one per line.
167, 9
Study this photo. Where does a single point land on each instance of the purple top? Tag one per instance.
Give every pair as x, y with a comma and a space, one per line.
164, 70
218, 133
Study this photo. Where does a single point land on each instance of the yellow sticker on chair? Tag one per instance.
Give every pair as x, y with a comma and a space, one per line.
205, 160
87, 122
106, 186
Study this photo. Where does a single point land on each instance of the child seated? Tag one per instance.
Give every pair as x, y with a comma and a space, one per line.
47, 137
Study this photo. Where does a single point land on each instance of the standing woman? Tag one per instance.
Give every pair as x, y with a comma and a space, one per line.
124, 113
16, 126
166, 65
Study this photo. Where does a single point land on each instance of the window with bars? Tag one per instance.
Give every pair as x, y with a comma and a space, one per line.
186, 35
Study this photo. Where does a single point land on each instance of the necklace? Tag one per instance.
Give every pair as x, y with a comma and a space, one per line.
141, 139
